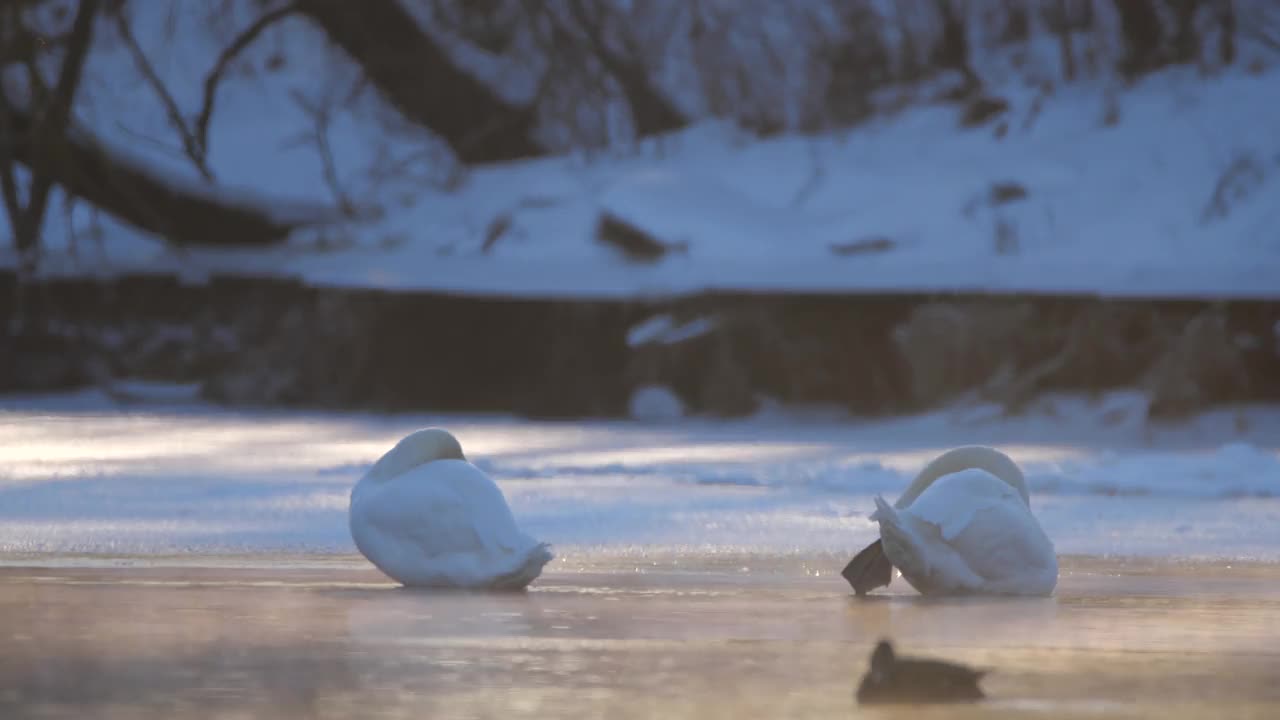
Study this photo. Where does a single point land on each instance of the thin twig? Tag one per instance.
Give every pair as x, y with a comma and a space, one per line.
320, 113
157, 143
593, 30
214, 78
195, 150
817, 173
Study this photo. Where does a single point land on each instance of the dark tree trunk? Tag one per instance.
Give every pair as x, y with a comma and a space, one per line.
1084, 13
130, 192
1227, 26
1140, 28
44, 150
43, 137
1185, 44
1066, 26
651, 112
423, 83
953, 48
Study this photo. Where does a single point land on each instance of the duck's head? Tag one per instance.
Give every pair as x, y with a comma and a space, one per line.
882, 658
879, 684
416, 448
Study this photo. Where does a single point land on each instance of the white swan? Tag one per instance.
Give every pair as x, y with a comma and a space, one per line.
963, 526
428, 518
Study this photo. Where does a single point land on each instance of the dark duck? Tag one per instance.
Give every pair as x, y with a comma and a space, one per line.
893, 679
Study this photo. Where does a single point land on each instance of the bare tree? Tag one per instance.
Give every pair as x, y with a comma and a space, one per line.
1059, 15
952, 50
423, 82
1184, 44
1261, 23
193, 145
651, 112
320, 111
1227, 26
1142, 32
213, 78
38, 131
1157, 33
50, 110
859, 63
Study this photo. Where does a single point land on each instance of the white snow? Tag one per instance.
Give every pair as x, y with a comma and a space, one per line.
650, 330
80, 474
655, 403
1116, 210
662, 329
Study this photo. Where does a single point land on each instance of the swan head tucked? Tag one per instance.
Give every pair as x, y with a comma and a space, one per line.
416, 448
968, 457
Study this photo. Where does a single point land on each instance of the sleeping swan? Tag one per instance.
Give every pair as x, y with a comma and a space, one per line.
963, 526
428, 518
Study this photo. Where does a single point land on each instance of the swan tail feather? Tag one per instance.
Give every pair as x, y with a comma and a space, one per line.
526, 571
901, 545
884, 511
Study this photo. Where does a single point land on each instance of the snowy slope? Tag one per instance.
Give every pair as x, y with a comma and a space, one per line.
78, 474
1123, 209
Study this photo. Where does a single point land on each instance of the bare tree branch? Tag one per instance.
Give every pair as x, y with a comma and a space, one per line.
651, 113
419, 77
133, 192
193, 147
214, 78
560, 48
321, 112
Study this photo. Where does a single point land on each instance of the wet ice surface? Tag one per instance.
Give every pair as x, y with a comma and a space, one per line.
188, 562
747, 636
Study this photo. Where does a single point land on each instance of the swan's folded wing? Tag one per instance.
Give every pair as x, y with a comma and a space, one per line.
980, 535
490, 515
951, 503
918, 549
986, 523
1007, 543
431, 516
496, 524
446, 509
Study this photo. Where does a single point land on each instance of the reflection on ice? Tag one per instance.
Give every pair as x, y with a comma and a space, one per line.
1172, 640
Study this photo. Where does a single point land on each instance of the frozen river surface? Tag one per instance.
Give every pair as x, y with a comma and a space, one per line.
186, 562
79, 476
743, 637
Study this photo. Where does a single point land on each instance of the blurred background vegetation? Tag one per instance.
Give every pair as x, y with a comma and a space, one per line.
496, 81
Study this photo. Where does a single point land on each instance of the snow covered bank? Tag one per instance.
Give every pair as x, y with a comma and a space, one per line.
1088, 188
80, 475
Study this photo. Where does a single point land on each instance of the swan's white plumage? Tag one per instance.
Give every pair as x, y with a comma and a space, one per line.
965, 529
428, 518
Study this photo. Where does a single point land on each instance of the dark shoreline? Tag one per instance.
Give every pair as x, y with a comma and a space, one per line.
278, 342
